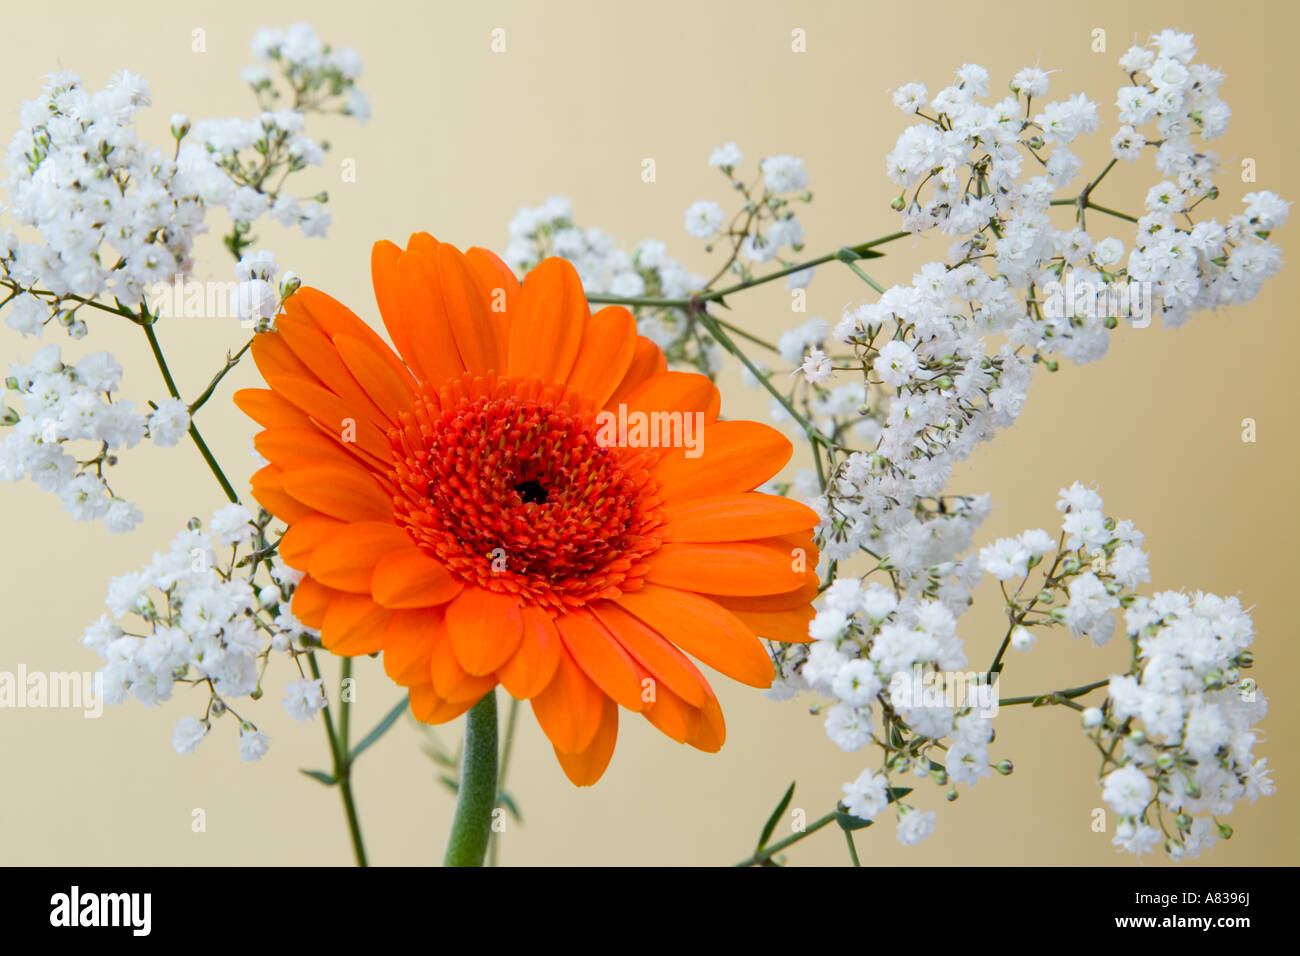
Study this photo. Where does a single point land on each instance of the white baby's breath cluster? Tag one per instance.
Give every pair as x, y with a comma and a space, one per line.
104, 220
71, 406
907, 384
208, 614
1177, 731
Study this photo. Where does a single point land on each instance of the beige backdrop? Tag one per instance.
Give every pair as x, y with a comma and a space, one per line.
461, 138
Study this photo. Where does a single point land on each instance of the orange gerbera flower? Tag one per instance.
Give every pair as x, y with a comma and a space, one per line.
463, 509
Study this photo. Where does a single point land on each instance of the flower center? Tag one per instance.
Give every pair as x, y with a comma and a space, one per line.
504, 482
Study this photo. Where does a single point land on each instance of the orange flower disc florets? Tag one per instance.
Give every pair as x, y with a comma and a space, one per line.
511, 491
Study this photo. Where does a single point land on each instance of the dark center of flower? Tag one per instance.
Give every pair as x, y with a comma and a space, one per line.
504, 482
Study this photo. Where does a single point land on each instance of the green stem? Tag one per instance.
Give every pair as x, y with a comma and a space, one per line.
1056, 696
342, 765
471, 827
197, 438
712, 296
766, 854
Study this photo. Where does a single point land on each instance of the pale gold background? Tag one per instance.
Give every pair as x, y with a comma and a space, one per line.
459, 140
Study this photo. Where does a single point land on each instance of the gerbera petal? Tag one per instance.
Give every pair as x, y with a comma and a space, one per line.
737, 517
354, 625
311, 600
290, 448
605, 354
587, 766
647, 360
319, 354
304, 536
389, 297
334, 319
790, 626
601, 658
711, 732
666, 663
465, 303
344, 493
737, 456
270, 410
389, 390
485, 629
705, 630
409, 578
450, 680
569, 709
801, 596
270, 494
425, 321
346, 560
408, 645
672, 716
334, 415
428, 707
533, 665
547, 330
676, 392
734, 567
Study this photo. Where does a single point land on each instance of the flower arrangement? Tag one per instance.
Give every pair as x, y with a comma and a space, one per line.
530, 479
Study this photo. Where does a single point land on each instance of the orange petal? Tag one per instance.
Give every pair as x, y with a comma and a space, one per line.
789, 626
485, 629
388, 295
301, 448
705, 630
425, 320
569, 709
354, 625
270, 410
587, 766
737, 456
547, 329
465, 303
270, 494
647, 359
339, 419
346, 560
407, 647
533, 665
450, 679
345, 493
304, 536
428, 707
666, 663
310, 601
733, 567
604, 355
389, 390
791, 600
318, 353
740, 517
601, 658
409, 578
711, 733
672, 716
334, 319
676, 392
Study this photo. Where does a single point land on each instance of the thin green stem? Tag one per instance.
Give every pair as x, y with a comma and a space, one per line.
716, 294
342, 765
1055, 696
765, 855
476, 798
197, 438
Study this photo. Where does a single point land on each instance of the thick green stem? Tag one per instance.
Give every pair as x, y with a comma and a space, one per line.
471, 827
